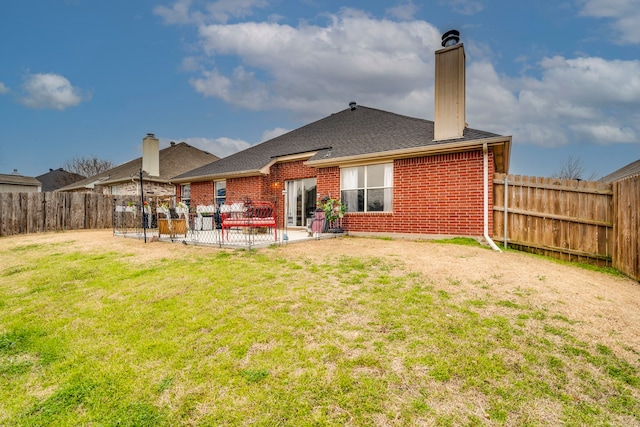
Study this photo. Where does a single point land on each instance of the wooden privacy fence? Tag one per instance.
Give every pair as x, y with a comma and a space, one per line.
626, 209
22, 213
587, 221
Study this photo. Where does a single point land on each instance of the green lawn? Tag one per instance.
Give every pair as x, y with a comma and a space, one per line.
250, 338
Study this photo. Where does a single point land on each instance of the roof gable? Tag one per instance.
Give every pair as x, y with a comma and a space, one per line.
58, 178
15, 179
174, 160
632, 168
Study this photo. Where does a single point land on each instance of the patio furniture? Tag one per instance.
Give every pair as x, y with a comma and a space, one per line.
249, 217
172, 227
206, 215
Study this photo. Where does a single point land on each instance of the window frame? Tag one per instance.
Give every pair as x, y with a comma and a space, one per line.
183, 199
360, 177
217, 199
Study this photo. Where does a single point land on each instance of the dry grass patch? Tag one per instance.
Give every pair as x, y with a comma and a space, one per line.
102, 330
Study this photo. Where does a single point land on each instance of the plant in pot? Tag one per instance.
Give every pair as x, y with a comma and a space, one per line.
333, 211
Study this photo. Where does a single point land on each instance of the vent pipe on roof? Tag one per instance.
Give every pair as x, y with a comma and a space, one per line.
450, 38
352, 105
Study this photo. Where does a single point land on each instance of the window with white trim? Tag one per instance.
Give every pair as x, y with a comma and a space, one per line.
367, 188
220, 192
185, 194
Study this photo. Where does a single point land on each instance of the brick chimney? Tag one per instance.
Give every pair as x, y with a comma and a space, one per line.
450, 88
151, 155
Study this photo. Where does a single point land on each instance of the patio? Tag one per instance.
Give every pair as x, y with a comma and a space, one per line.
235, 238
235, 225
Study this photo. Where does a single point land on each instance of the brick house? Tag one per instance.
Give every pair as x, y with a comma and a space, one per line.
159, 167
395, 174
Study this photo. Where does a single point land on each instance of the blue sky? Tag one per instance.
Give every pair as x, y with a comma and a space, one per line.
88, 77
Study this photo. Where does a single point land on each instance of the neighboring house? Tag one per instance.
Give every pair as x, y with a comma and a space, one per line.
395, 174
159, 167
58, 178
16, 183
624, 172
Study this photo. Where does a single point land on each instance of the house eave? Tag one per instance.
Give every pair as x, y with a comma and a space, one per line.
264, 170
429, 150
219, 176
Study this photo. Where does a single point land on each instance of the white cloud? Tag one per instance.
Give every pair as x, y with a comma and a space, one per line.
405, 11
310, 68
223, 10
179, 13
624, 14
221, 147
313, 70
273, 133
464, 7
182, 12
588, 100
606, 133
50, 91
3, 89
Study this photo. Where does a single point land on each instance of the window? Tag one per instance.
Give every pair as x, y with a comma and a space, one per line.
116, 190
367, 188
185, 194
220, 192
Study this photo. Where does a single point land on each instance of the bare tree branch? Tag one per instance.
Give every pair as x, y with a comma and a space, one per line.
88, 166
573, 168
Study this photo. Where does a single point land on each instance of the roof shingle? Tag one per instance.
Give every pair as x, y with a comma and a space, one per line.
350, 132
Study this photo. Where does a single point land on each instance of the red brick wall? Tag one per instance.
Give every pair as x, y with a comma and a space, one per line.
249, 187
329, 182
440, 194
274, 183
202, 193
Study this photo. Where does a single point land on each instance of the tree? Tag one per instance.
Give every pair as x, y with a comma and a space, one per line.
573, 168
88, 166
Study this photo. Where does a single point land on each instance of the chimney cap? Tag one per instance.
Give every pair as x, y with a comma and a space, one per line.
450, 38
150, 135
353, 105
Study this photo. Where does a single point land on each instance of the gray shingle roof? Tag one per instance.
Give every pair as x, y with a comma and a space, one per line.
16, 179
174, 160
624, 172
344, 134
57, 178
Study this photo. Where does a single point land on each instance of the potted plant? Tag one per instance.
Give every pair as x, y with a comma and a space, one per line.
182, 209
333, 211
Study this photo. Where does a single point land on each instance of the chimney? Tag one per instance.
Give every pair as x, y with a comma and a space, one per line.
450, 88
151, 155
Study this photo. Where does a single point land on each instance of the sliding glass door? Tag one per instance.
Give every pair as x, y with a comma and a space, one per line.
300, 201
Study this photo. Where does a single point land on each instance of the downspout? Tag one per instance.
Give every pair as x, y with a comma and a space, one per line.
485, 151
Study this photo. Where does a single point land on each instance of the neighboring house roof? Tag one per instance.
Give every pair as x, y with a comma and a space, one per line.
15, 179
349, 135
624, 172
58, 178
174, 160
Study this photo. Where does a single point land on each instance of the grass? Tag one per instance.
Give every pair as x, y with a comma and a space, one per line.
251, 338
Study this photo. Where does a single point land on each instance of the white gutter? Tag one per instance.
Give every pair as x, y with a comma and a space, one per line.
404, 153
485, 151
